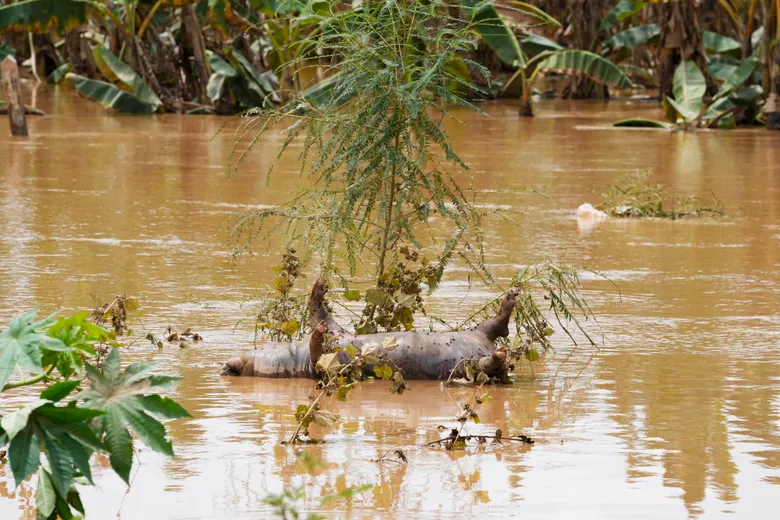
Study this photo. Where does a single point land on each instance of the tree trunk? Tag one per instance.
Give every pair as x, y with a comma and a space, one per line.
747, 43
681, 40
193, 47
583, 30
79, 55
771, 54
526, 110
13, 93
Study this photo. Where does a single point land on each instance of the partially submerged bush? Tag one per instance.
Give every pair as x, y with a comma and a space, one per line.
282, 314
558, 284
635, 197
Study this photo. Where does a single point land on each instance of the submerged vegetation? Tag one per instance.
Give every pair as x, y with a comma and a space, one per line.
226, 56
636, 197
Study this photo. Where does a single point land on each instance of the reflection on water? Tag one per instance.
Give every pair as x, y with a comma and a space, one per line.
677, 416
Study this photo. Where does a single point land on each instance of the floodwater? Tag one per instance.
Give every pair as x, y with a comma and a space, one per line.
676, 416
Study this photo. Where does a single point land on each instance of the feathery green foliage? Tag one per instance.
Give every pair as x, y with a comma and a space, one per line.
378, 162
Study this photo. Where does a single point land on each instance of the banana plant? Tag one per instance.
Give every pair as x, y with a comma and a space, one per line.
124, 92
565, 62
688, 107
247, 86
534, 53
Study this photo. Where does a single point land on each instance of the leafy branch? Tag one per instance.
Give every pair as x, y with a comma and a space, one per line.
100, 418
341, 371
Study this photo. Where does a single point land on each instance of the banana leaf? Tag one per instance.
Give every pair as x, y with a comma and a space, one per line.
718, 43
727, 122
621, 11
721, 66
249, 87
689, 87
220, 66
108, 95
638, 72
220, 13
59, 74
534, 44
267, 80
536, 13
39, 16
115, 70
737, 77
588, 64
755, 38
221, 71
322, 94
640, 122
634, 36
745, 97
494, 31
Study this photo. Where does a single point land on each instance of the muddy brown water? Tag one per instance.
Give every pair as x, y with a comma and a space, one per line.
677, 416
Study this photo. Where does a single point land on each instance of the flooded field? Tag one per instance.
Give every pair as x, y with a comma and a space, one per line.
677, 415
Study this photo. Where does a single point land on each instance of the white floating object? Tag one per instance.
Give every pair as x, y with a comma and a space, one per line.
588, 212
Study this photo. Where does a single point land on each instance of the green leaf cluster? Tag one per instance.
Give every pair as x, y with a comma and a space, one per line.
689, 107
70, 422
247, 87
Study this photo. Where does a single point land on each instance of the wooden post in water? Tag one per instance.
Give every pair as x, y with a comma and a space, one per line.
10, 74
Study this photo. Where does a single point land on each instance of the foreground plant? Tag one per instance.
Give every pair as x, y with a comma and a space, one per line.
635, 197
71, 421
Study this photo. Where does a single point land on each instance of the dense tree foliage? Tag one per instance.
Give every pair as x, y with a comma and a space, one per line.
224, 56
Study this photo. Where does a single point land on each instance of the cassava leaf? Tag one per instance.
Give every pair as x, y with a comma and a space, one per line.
24, 455
164, 407
127, 403
45, 496
22, 345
